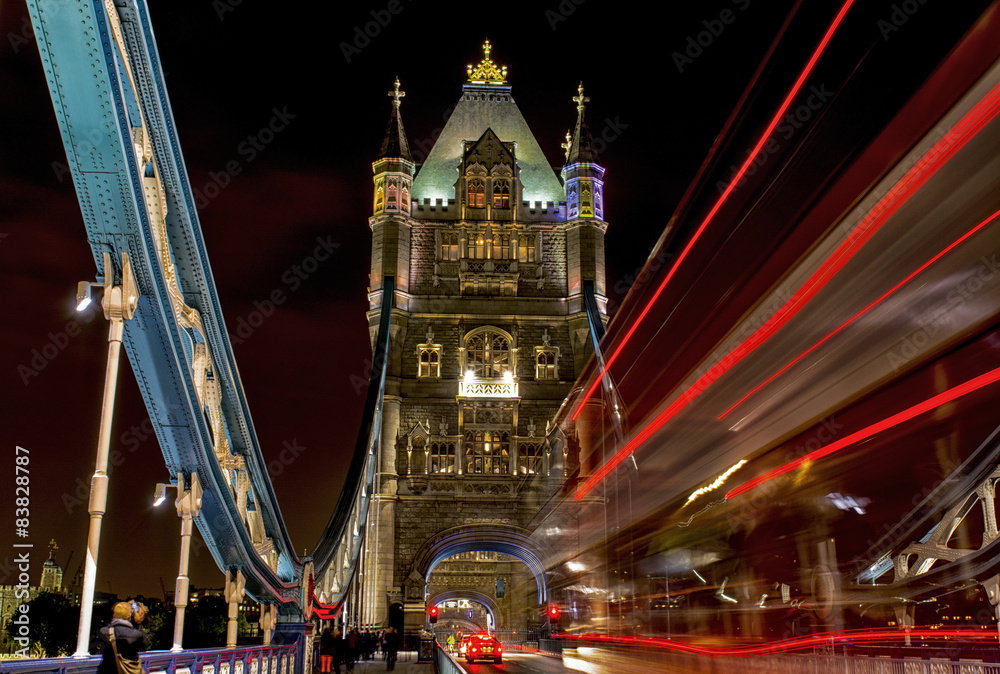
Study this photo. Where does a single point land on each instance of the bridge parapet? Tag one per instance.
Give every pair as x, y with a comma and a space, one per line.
285, 658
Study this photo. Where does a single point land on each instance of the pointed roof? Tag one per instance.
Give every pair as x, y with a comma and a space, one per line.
486, 103
394, 144
581, 147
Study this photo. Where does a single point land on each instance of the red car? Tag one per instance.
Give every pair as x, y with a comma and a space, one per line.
483, 647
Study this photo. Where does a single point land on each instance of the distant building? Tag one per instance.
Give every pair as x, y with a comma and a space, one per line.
52, 574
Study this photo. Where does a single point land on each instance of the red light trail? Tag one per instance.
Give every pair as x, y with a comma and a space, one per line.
926, 406
943, 150
842, 637
858, 315
820, 48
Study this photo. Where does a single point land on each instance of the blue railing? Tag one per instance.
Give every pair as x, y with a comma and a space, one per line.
281, 659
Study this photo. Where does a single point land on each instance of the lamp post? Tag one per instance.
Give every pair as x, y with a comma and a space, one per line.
188, 506
119, 304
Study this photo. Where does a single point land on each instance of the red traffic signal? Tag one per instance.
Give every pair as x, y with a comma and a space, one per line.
553, 614
432, 614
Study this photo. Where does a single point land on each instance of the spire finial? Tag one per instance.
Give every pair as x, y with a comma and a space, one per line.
487, 72
568, 144
396, 94
580, 99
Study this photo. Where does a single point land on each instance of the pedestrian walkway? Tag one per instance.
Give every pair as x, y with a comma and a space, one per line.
406, 663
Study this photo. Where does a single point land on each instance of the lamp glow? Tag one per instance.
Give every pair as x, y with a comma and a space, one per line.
82, 295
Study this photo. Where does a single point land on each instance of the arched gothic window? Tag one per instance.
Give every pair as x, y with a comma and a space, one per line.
477, 194
501, 193
545, 364
429, 363
488, 354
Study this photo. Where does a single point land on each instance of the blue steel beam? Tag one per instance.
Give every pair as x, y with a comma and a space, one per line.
104, 76
337, 552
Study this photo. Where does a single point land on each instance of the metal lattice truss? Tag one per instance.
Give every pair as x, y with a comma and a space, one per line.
917, 558
940, 546
103, 73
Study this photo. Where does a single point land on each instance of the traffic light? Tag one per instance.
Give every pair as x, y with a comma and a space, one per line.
553, 614
432, 614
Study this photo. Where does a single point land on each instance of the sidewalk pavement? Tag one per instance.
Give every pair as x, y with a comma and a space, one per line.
406, 663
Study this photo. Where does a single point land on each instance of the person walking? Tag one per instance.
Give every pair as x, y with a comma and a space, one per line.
391, 648
326, 651
339, 651
352, 648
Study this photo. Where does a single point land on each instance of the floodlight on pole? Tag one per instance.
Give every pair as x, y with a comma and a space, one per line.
119, 303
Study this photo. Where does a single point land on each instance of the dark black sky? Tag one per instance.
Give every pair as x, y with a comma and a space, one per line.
229, 68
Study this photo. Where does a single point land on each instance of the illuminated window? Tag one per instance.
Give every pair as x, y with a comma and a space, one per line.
501, 194
379, 197
477, 194
390, 198
476, 250
488, 354
449, 246
487, 452
546, 359
501, 246
545, 364
442, 457
405, 201
526, 248
429, 365
429, 357
529, 459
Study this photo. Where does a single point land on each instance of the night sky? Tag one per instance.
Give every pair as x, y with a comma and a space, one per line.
231, 67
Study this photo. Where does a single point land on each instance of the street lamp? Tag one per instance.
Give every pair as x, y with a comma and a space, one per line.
119, 304
188, 506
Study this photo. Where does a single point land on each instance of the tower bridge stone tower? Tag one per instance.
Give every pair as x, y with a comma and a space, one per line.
489, 246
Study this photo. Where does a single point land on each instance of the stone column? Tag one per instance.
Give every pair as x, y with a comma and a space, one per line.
381, 565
